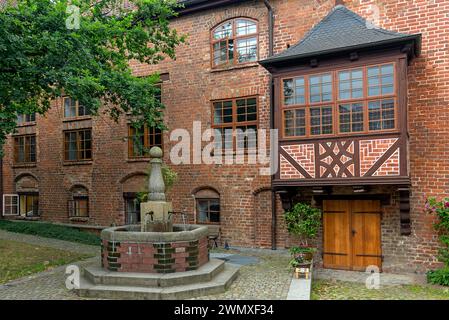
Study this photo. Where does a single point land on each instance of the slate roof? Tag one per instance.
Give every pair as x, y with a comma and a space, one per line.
341, 30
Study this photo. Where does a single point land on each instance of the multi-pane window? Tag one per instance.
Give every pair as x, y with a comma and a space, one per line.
26, 205
78, 145
365, 101
79, 207
295, 122
10, 204
25, 118
25, 149
234, 41
380, 80
29, 205
208, 210
350, 84
351, 117
132, 209
141, 140
320, 88
237, 117
72, 108
320, 120
381, 114
294, 91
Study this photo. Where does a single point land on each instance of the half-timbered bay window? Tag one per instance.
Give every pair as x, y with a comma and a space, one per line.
141, 140
235, 122
73, 109
78, 145
357, 100
25, 149
235, 41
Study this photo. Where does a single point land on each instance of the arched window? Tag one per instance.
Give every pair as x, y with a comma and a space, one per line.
79, 203
235, 41
207, 206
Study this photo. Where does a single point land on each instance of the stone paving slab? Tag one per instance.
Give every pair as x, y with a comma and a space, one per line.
49, 242
300, 289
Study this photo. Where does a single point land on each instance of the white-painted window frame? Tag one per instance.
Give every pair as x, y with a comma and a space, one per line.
17, 206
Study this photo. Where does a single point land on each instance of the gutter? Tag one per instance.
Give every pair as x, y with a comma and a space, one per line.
191, 6
271, 91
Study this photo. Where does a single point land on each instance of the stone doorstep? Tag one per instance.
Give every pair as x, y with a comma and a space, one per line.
300, 289
219, 284
207, 272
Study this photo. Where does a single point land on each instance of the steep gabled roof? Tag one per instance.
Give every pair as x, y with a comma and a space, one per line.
341, 30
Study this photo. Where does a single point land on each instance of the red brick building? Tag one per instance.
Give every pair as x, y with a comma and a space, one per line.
360, 107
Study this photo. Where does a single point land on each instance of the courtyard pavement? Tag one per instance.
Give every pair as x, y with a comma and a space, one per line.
264, 274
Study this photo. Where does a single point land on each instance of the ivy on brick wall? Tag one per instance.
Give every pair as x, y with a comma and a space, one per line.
83, 49
441, 210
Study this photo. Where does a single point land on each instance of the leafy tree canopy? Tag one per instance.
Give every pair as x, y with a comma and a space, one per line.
82, 48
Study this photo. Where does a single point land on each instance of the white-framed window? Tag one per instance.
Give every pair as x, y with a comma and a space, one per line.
10, 204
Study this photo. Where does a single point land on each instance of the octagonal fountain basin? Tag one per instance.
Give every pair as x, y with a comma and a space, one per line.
127, 249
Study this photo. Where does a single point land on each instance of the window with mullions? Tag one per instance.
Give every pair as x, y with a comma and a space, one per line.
208, 210
320, 88
23, 119
234, 42
351, 117
237, 116
365, 101
25, 149
78, 145
321, 120
72, 108
141, 140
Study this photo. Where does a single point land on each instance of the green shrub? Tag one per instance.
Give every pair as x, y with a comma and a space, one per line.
440, 276
48, 230
303, 221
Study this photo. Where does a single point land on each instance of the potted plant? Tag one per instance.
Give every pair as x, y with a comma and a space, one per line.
303, 221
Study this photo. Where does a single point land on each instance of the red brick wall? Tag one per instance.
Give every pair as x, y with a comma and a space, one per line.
246, 217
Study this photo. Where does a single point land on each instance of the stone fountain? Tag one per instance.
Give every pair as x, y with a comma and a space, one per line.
156, 259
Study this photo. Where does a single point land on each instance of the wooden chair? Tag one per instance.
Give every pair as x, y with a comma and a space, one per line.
214, 234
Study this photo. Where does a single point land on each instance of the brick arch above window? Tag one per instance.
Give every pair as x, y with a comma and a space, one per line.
134, 182
206, 192
26, 182
79, 190
234, 42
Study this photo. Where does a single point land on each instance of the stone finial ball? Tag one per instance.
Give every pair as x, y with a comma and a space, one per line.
156, 152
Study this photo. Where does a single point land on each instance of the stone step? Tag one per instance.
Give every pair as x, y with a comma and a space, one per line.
218, 284
207, 272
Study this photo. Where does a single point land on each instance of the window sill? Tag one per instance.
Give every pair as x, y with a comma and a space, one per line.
234, 67
24, 165
27, 124
77, 119
77, 163
79, 219
133, 160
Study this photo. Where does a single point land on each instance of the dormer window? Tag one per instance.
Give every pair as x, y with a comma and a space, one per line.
235, 42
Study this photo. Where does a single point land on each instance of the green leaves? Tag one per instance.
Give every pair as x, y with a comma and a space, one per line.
41, 59
441, 210
303, 220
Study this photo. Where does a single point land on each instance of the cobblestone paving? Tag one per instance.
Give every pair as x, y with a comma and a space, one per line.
341, 290
268, 280
49, 285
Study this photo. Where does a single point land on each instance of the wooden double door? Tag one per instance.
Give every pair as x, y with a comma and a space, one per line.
352, 234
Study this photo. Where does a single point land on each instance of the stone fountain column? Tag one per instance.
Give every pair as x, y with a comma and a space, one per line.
156, 212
